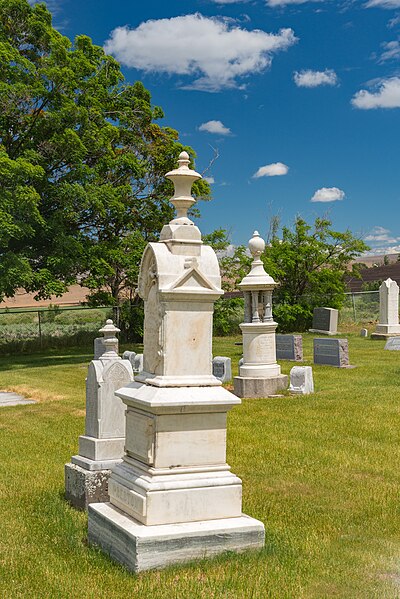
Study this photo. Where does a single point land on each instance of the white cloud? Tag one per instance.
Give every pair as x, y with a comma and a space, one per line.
391, 51
276, 169
212, 50
381, 235
309, 78
386, 96
383, 3
215, 127
274, 3
209, 180
393, 22
328, 194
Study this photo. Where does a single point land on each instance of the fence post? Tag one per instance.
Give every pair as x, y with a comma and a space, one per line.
40, 330
354, 307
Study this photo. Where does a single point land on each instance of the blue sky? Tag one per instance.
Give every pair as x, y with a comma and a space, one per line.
301, 99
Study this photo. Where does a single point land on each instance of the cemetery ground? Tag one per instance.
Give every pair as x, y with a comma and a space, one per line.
321, 471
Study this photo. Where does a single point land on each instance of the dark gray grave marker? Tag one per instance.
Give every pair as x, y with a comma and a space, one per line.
289, 347
325, 320
332, 352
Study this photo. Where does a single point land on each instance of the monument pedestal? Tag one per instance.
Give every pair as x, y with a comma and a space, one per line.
384, 331
140, 547
258, 388
83, 487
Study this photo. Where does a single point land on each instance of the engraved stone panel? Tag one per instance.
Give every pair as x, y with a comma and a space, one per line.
332, 352
325, 319
289, 347
139, 441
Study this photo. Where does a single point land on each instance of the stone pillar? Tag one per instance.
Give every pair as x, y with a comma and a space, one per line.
388, 325
259, 373
102, 445
173, 498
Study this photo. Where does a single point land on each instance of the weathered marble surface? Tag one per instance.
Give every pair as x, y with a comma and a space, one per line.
388, 325
301, 380
222, 368
141, 547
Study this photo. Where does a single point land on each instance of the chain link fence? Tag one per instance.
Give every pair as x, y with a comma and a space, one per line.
55, 327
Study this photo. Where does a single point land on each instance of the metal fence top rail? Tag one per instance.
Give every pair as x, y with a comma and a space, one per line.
53, 309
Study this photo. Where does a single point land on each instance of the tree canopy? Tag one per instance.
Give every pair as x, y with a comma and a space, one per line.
310, 263
82, 162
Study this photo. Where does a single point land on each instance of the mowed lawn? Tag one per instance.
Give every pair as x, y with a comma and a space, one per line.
322, 472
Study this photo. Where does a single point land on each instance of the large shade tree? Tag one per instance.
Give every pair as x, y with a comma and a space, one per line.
310, 263
81, 162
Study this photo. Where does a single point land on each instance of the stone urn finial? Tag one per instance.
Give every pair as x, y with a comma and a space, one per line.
183, 178
110, 340
256, 245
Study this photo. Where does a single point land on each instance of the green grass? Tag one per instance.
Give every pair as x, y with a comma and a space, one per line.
322, 472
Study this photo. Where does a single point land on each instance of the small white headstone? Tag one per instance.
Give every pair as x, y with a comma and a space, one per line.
137, 364
222, 368
364, 333
301, 380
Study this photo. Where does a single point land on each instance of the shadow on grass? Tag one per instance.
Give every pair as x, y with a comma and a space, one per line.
47, 359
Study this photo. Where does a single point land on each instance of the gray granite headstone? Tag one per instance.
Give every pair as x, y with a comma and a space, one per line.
393, 343
331, 352
222, 368
129, 355
289, 347
325, 320
301, 380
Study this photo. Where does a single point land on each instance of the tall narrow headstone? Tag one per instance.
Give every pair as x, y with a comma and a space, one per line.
102, 445
174, 498
259, 375
388, 325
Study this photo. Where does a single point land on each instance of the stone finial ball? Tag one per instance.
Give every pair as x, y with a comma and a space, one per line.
109, 321
183, 156
256, 245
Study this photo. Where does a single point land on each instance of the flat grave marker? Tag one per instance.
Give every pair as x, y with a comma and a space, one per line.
393, 343
222, 368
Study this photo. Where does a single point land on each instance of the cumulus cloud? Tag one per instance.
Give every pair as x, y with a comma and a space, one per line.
215, 127
391, 51
212, 50
383, 3
381, 235
209, 180
309, 78
387, 95
277, 169
328, 194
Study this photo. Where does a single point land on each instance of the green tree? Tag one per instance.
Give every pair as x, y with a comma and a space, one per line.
310, 263
82, 162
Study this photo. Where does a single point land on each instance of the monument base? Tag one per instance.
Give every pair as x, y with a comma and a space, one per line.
83, 487
257, 388
384, 336
319, 332
140, 547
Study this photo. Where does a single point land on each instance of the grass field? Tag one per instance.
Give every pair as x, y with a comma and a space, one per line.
322, 472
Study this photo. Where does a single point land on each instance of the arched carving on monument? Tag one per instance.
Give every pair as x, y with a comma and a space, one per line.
147, 273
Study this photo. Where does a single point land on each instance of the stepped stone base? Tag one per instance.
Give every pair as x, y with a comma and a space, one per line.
384, 335
258, 388
83, 487
140, 547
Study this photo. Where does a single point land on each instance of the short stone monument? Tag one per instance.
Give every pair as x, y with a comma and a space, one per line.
301, 380
259, 375
393, 344
364, 333
138, 363
174, 498
289, 347
102, 445
129, 355
222, 368
325, 321
388, 325
331, 352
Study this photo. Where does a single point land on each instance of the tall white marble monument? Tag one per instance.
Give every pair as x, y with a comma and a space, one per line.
259, 373
102, 445
173, 498
388, 325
